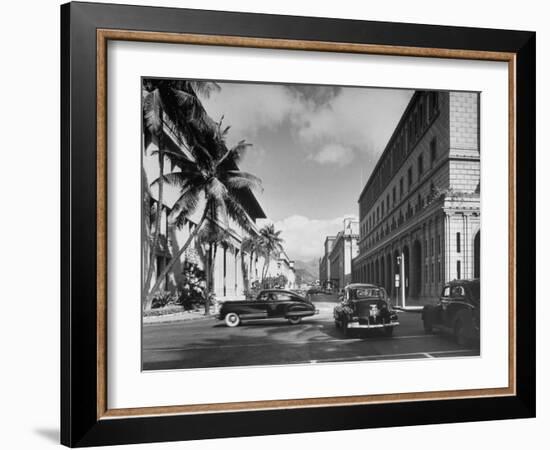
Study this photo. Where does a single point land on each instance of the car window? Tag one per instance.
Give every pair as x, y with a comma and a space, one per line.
446, 291
458, 291
366, 292
283, 297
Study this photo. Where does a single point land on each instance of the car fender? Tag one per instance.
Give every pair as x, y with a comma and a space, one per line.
465, 316
427, 312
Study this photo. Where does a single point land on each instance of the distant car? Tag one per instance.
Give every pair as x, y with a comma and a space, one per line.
314, 290
269, 304
457, 311
364, 307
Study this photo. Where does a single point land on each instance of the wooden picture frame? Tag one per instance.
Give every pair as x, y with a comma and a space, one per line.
85, 416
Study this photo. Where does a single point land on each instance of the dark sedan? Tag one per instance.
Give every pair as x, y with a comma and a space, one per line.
363, 307
457, 311
269, 304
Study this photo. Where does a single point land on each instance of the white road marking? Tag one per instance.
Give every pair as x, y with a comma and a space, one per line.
397, 355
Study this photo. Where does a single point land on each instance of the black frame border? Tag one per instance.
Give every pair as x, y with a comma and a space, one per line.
79, 423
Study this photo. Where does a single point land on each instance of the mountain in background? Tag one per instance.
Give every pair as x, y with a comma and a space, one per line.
306, 271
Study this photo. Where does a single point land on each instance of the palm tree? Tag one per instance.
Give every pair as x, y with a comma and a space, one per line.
210, 178
215, 236
171, 103
253, 246
272, 244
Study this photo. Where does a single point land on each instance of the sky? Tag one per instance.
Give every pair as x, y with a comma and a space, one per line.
313, 147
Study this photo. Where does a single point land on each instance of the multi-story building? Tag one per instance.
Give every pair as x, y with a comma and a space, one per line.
325, 280
335, 265
421, 201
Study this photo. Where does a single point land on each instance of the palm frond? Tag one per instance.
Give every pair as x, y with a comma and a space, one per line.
215, 189
236, 212
235, 153
238, 179
152, 111
185, 205
179, 179
205, 88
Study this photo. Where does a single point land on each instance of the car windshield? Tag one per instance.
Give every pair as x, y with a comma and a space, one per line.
366, 292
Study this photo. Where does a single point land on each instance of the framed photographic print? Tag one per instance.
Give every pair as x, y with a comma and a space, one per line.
277, 224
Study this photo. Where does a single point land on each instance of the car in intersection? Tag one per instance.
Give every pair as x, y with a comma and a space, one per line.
457, 312
269, 304
365, 307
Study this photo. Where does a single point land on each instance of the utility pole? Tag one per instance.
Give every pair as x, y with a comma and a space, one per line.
401, 264
403, 279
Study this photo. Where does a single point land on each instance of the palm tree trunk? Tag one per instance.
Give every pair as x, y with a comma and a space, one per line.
244, 273
154, 289
210, 275
266, 269
157, 219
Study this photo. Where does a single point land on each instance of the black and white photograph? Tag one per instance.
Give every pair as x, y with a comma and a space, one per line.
307, 224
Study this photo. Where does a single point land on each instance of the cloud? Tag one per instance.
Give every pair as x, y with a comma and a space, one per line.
251, 108
334, 154
304, 238
331, 124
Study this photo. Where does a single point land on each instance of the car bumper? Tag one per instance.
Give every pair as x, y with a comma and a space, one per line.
374, 325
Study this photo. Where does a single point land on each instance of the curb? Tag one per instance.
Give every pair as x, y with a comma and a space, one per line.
171, 319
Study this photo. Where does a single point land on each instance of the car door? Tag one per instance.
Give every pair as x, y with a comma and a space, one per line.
455, 305
257, 309
278, 305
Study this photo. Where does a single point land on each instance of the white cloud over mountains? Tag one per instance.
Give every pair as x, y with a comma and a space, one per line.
304, 238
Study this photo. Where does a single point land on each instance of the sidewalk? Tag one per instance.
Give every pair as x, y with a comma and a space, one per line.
414, 304
179, 316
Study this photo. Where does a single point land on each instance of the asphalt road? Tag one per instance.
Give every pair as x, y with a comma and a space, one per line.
209, 343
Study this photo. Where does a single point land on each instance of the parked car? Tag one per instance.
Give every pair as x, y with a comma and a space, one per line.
364, 307
457, 311
269, 304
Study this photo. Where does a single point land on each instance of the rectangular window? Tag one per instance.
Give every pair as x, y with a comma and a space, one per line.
458, 270
388, 202
420, 166
382, 209
393, 195
401, 187
432, 273
432, 247
409, 177
458, 242
439, 270
438, 244
433, 151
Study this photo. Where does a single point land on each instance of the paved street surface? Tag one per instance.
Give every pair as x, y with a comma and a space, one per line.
209, 343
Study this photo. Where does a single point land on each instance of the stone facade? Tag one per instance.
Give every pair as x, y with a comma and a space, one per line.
335, 265
422, 200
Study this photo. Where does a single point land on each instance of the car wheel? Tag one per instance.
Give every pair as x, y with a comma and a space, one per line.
460, 333
388, 331
294, 320
232, 320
